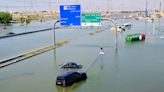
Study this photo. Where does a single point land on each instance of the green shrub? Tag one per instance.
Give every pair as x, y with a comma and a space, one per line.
5, 17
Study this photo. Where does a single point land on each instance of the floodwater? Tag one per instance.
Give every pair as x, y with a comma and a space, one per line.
21, 28
136, 67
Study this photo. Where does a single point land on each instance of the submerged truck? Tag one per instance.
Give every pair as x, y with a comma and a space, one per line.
135, 37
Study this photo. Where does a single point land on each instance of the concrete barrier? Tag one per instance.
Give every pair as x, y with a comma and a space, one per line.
23, 56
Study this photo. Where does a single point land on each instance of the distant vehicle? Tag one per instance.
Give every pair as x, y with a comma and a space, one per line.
150, 19
70, 65
127, 25
123, 27
10, 33
135, 37
69, 77
120, 28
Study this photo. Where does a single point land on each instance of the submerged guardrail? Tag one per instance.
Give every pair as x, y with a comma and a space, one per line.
18, 58
12, 35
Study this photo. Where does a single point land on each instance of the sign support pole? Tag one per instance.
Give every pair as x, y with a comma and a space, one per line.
54, 41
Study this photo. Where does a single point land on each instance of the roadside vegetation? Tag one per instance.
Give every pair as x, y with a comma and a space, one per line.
26, 19
5, 17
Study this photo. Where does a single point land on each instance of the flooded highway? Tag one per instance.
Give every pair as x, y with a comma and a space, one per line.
136, 67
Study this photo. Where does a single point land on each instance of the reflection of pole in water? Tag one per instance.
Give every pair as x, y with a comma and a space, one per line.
116, 69
55, 63
116, 63
63, 90
101, 66
101, 58
146, 25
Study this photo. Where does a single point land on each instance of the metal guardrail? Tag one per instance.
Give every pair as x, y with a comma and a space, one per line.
23, 56
18, 58
12, 35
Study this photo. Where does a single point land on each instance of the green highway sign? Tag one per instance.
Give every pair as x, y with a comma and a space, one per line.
91, 19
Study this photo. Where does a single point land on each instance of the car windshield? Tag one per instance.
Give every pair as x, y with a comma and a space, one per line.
72, 63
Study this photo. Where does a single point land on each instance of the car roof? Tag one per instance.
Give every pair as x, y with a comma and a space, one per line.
66, 73
71, 63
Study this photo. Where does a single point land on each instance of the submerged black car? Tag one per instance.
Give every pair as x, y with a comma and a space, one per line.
69, 77
70, 65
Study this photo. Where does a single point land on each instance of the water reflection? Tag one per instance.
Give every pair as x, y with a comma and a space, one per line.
16, 75
112, 72
92, 46
146, 27
55, 62
153, 27
135, 42
102, 64
116, 64
116, 71
70, 88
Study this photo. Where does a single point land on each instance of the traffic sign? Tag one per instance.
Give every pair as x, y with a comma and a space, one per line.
91, 19
70, 15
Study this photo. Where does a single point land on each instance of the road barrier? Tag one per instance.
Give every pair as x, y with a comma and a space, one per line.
18, 58
98, 31
12, 35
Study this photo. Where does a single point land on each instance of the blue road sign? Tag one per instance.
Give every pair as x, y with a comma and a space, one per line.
70, 15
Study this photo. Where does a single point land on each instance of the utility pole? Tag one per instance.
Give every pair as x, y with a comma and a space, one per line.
50, 6
160, 5
32, 5
146, 12
32, 10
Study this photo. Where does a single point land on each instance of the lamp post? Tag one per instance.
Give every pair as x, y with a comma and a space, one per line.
54, 41
115, 29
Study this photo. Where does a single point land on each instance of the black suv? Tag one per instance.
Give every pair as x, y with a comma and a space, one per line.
69, 77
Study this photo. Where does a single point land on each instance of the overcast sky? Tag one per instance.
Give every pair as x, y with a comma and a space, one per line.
94, 5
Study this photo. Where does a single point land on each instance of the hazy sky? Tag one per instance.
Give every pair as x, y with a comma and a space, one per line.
40, 5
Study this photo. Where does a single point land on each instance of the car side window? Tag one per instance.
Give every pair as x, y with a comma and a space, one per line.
77, 74
71, 76
73, 64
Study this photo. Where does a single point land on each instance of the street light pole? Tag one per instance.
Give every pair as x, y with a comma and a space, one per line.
115, 29
54, 41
